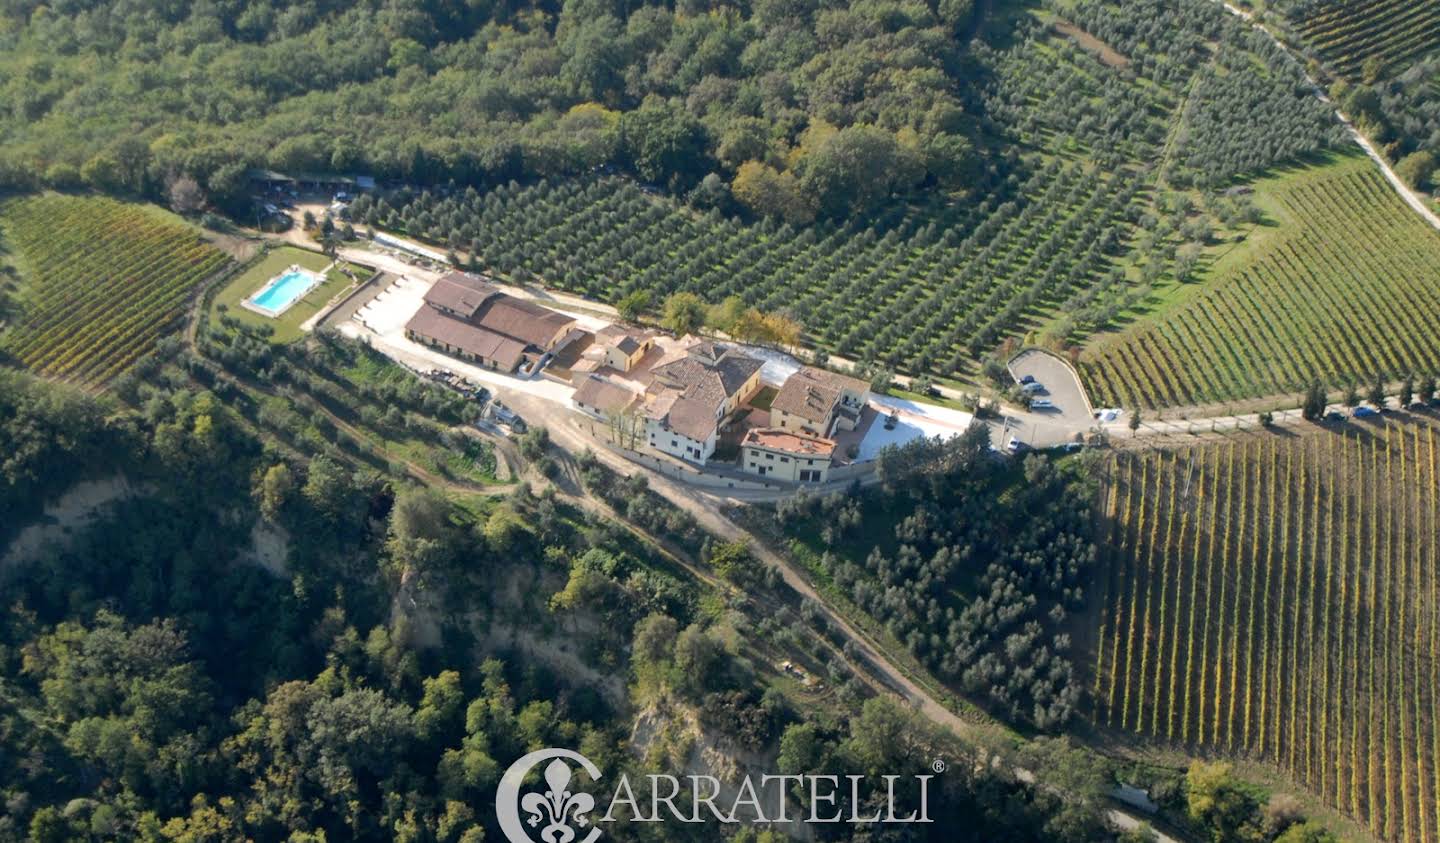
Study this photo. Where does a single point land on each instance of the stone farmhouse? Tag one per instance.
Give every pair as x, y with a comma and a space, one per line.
818, 403
683, 402
690, 397
783, 455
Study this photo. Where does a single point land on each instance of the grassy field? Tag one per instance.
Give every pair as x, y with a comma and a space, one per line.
1354, 37
287, 325
100, 282
1279, 599
1337, 290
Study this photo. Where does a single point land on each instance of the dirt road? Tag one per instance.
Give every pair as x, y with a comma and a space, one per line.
707, 511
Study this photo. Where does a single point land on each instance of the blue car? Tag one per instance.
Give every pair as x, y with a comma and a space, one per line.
1028, 379
1364, 412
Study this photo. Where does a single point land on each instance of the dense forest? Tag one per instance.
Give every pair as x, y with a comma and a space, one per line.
837, 103
973, 566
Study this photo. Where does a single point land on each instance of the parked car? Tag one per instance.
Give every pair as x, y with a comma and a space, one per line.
1033, 388
892, 420
933, 391
1015, 446
1364, 412
1335, 416
1028, 379
1042, 404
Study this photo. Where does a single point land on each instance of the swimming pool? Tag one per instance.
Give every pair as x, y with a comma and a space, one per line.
283, 291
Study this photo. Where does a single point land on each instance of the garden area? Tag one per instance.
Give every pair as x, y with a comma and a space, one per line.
286, 326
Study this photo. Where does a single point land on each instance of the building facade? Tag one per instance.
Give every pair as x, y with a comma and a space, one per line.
690, 399
778, 454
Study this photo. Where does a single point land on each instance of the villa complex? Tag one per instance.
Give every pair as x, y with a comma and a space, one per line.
683, 398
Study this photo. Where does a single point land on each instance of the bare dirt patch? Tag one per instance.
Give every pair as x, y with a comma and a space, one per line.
79, 506
558, 653
1108, 55
270, 548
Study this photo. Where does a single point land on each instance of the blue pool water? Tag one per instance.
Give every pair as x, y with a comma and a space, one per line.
282, 292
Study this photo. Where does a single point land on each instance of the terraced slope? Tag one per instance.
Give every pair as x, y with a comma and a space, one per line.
1344, 291
101, 281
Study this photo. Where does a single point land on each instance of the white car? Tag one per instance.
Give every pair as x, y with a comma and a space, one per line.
1042, 404
1015, 446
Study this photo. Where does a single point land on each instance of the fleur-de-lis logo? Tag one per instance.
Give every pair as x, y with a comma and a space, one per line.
558, 814
555, 806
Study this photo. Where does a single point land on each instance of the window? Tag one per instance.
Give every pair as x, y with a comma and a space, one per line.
674, 444
770, 457
784, 459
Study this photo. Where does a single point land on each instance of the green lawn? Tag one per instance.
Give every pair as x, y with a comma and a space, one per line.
287, 325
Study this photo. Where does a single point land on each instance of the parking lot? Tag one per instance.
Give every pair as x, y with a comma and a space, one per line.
1061, 386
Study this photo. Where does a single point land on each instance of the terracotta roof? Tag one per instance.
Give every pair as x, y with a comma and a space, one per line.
708, 371
461, 292
625, 338
432, 324
693, 419
689, 391
522, 320
603, 394
772, 439
812, 394
660, 404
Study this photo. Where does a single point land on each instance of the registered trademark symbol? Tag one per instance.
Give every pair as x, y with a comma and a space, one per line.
938, 766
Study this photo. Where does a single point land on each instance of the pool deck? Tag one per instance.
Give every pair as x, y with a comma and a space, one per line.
316, 279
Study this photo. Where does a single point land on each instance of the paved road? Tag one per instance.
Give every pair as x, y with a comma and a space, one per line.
1062, 386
